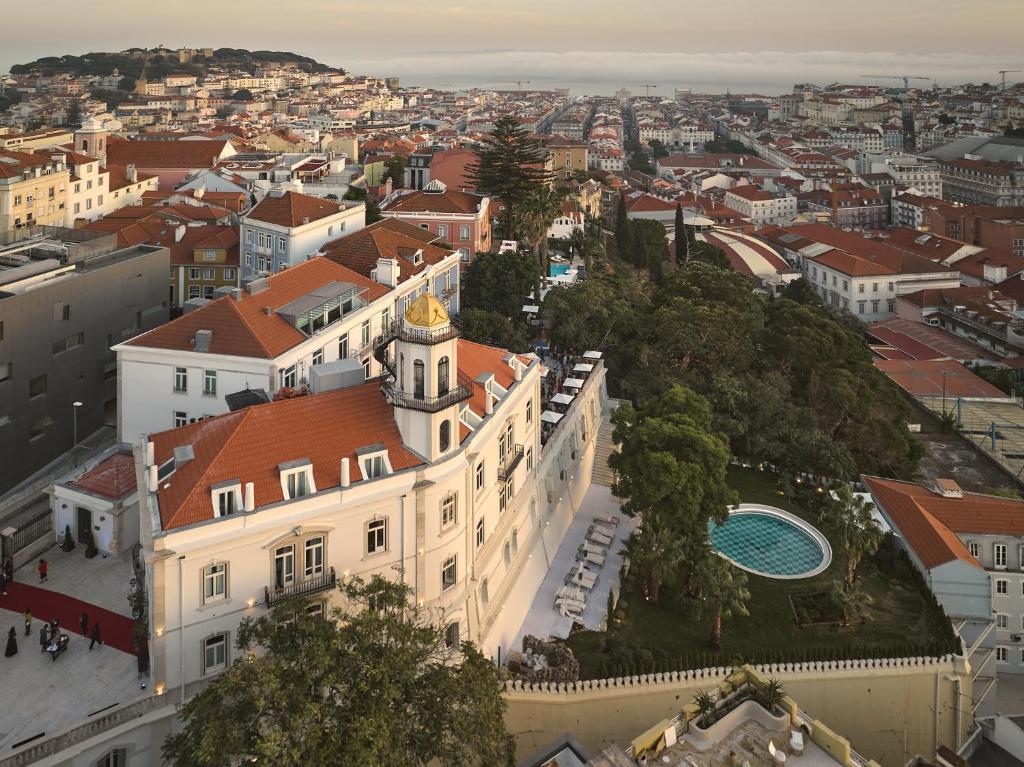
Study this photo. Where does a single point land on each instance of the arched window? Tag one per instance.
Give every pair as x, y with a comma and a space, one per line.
446, 435
442, 376
417, 379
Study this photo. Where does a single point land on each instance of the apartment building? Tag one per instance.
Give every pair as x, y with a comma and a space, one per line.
989, 226
461, 219
271, 334
33, 189
975, 181
434, 476
761, 207
285, 228
71, 296
568, 156
921, 173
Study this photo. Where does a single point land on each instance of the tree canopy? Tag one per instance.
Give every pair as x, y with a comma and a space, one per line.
375, 685
499, 282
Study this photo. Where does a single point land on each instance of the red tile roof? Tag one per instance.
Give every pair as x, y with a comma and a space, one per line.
249, 445
449, 201
924, 378
112, 478
387, 238
930, 522
293, 209
166, 154
243, 328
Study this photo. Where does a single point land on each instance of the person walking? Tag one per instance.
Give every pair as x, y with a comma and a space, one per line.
95, 635
44, 637
3, 583
12, 643
83, 623
43, 567
28, 622
9, 570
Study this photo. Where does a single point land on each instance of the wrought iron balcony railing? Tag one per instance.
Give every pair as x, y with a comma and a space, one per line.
301, 588
511, 461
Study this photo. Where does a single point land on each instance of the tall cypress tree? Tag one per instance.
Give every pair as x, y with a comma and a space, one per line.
680, 249
623, 234
509, 165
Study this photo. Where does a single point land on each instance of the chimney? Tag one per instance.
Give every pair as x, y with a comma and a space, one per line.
249, 498
179, 232
131, 173
150, 454
488, 402
202, 340
153, 480
387, 272
344, 473
948, 488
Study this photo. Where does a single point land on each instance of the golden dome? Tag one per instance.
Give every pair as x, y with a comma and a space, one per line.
427, 312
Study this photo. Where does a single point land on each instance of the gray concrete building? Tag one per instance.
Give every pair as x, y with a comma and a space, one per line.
67, 296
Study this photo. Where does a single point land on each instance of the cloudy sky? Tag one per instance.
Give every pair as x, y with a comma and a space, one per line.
737, 44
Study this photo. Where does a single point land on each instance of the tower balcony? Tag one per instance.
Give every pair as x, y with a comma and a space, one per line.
409, 400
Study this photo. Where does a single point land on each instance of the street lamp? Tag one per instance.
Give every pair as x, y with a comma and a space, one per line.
74, 447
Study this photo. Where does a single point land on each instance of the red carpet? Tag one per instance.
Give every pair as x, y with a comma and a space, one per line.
115, 630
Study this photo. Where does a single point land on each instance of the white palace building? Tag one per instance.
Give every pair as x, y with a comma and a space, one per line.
436, 474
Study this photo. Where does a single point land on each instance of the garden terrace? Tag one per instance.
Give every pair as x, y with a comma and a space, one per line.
789, 621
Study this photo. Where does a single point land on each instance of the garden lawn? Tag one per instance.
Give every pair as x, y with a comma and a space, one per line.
670, 635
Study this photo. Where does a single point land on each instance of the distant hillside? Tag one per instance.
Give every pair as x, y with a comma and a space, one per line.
137, 62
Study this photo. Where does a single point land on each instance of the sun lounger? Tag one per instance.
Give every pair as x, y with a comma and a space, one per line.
595, 535
574, 604
796, 742
607, 521
572, 592
582, 577
590, 556
568, 612
593, 548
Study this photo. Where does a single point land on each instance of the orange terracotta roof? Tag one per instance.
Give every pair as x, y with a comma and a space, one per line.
476, 359
449, 201
243, 328
112, 478
930, 522
250, 444
383, 239
166, 154
293, 209
14, 163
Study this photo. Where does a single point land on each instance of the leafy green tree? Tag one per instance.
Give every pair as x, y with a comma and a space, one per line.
854, 530
649, 246
242, 94
364, 686
499, 282
493, 329
656, 552
538, 211
509, 165
126, 84
852, 601
623, 233
73, 115
670, 464
802, 292
722, 592
658, 149
585, 315
372, 208
394, 169
681, 243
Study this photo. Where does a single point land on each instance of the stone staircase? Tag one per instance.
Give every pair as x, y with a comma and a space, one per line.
603, 475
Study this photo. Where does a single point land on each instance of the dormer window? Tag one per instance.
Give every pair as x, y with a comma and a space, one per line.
297, 479
374, 461
227, 497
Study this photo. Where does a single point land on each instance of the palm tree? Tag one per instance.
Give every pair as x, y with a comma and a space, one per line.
854, 529
723, 593
657, 553
537, 213
852, 600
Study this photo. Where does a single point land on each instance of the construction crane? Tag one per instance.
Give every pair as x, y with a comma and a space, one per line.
519, 83
1003, 73
647, 89
905, 78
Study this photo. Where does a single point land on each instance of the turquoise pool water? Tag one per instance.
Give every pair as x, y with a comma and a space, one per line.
768, 545
559, 269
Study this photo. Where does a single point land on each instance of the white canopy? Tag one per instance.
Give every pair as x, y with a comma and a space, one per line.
583, 368
573, 383
563, 399
550, 416
531, 308
592, 355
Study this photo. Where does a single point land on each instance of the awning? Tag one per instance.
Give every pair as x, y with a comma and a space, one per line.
563, 399
531, 308
582, 368
550, 416
573, 383
592, 355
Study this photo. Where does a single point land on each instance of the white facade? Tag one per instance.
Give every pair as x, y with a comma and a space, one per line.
151, 397
924, 175
471, 550
268, 247
770, 210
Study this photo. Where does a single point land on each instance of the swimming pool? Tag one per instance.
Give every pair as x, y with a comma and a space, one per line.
559, 269
771, 542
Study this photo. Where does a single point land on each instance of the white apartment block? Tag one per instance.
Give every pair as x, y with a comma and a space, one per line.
922, 174
437, 477
761, 207
271, 334
287, 227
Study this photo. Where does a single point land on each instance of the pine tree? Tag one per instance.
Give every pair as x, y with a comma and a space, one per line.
623, 235
509, 166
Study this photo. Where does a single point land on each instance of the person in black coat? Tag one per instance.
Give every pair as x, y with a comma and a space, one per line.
83, 623
95, 635
12, 643
44, 637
